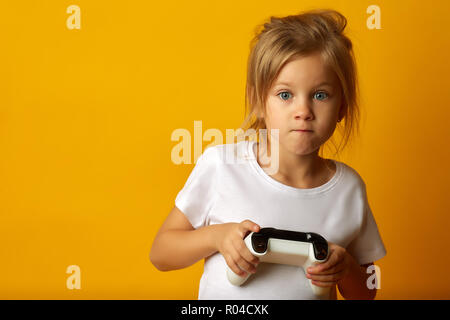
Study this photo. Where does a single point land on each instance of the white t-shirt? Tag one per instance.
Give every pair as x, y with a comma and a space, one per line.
219, 191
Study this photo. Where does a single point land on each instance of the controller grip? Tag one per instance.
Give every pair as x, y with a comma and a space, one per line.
320, 291
236, 279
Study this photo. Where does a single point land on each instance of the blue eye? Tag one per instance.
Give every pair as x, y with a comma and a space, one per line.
322, 93
284, 92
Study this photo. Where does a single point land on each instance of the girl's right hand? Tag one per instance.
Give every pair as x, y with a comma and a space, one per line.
229, 241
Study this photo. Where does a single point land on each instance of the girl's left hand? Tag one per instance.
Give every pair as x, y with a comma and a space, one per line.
336, 268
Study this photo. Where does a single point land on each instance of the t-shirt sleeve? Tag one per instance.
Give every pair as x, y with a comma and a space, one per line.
367, 246
197, 196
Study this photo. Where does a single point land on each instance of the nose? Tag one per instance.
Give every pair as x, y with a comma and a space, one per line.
303, 110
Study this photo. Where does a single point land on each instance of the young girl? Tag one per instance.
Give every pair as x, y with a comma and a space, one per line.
301, 83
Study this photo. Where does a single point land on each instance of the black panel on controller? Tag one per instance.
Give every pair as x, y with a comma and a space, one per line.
260, 240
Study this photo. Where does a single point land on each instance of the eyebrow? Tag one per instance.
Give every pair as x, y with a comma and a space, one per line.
324, 83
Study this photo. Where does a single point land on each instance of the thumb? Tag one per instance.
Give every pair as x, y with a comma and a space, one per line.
250, 226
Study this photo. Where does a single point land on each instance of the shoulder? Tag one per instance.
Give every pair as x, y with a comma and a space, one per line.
211, 154
225, 153
351, 176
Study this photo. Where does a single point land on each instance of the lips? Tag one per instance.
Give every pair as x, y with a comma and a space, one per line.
302, 130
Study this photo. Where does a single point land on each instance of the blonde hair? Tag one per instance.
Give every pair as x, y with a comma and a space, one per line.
285, 38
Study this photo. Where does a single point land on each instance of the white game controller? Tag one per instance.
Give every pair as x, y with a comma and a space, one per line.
286, 247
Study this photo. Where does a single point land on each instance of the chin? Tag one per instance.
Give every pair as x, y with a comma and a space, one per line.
303, 153
301, 150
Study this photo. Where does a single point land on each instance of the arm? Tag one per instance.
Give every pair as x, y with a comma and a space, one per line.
342, 269
178, 245
354, 285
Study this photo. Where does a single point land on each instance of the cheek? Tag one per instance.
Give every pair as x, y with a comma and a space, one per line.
274, 118
327, 125
328, 114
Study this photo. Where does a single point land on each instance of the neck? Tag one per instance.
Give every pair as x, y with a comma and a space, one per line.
293, 168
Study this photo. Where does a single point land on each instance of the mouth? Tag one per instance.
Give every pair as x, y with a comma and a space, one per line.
299, 130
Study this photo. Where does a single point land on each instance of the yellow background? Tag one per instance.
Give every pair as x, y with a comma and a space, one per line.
86, 118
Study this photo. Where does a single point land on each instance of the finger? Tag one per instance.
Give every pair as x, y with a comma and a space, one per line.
334, 269
241, 261
338, 258
333, 259
326, 278
248, 225
245, 253
233, 266
324, 284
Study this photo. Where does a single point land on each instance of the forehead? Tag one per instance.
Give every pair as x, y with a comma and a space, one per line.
307, 70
